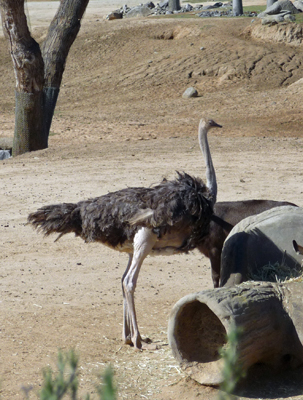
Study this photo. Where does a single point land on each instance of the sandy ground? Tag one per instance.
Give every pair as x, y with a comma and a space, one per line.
121, 121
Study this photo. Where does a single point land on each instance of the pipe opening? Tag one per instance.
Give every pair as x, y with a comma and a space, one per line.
199, 333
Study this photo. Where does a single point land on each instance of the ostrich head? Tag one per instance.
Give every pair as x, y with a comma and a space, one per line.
209, 123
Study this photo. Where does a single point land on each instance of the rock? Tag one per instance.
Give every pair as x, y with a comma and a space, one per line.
162, 8
299, 5
261, 242
190, 92
163, 4
289, 18
139, 11
216, 13
150, 5
6, 143
114, 15
187, 7
275, 19
4, 154
216, 5
277, 7
272, 19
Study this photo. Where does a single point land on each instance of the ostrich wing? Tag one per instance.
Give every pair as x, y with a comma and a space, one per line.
105, 218
182, 204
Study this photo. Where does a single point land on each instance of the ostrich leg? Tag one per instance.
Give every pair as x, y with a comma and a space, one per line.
126, 330
144, 241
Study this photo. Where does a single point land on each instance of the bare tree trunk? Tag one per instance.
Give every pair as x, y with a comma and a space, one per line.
61, 35
269, 315
29, 73
38, 76
28, 135
237, 8
270, 3
174, 5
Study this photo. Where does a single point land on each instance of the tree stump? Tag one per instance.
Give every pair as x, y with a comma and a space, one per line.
174, 5
269, 316
237, 8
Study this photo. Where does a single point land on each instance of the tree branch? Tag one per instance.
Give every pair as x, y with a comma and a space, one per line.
61, 35
25, 51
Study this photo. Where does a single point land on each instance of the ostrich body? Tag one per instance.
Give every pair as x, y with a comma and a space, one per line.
226, 215
298, 249
169, 218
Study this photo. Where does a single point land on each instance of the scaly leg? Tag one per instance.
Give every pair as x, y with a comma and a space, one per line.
144, 241
126, 336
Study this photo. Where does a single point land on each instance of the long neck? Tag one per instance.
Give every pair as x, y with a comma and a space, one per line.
211, 181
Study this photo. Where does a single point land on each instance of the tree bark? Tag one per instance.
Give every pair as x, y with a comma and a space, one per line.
38, 76
270, 317
29, 73
174, 5
237, 8
28, 134
61, 35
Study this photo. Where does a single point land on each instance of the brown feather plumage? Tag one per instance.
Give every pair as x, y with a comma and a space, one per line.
181, 204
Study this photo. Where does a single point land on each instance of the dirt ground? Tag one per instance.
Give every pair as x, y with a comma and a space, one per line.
121, 121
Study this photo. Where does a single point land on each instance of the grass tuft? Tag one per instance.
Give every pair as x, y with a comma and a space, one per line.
64, 382
278, 272
232, 370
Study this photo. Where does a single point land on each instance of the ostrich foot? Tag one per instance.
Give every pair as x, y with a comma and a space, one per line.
139, 343
151, 346
146, 340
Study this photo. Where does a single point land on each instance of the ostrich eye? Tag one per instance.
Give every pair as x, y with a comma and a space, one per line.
211, 122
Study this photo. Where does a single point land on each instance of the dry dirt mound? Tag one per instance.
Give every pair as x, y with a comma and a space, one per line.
116, 67
289, 33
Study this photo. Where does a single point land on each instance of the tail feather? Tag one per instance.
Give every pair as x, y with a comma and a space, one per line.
58, 218
142, 216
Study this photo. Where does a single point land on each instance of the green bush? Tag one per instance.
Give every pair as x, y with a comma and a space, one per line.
64, 383
232, 370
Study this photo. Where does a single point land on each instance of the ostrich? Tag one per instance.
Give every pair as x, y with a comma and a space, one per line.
298, 249
226, 215
169, 218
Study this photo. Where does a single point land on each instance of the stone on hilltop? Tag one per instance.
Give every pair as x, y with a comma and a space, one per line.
114, 15
277, 7
140, 11
190, 92
299, 5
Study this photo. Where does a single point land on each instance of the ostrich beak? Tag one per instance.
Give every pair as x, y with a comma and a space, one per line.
214, 124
